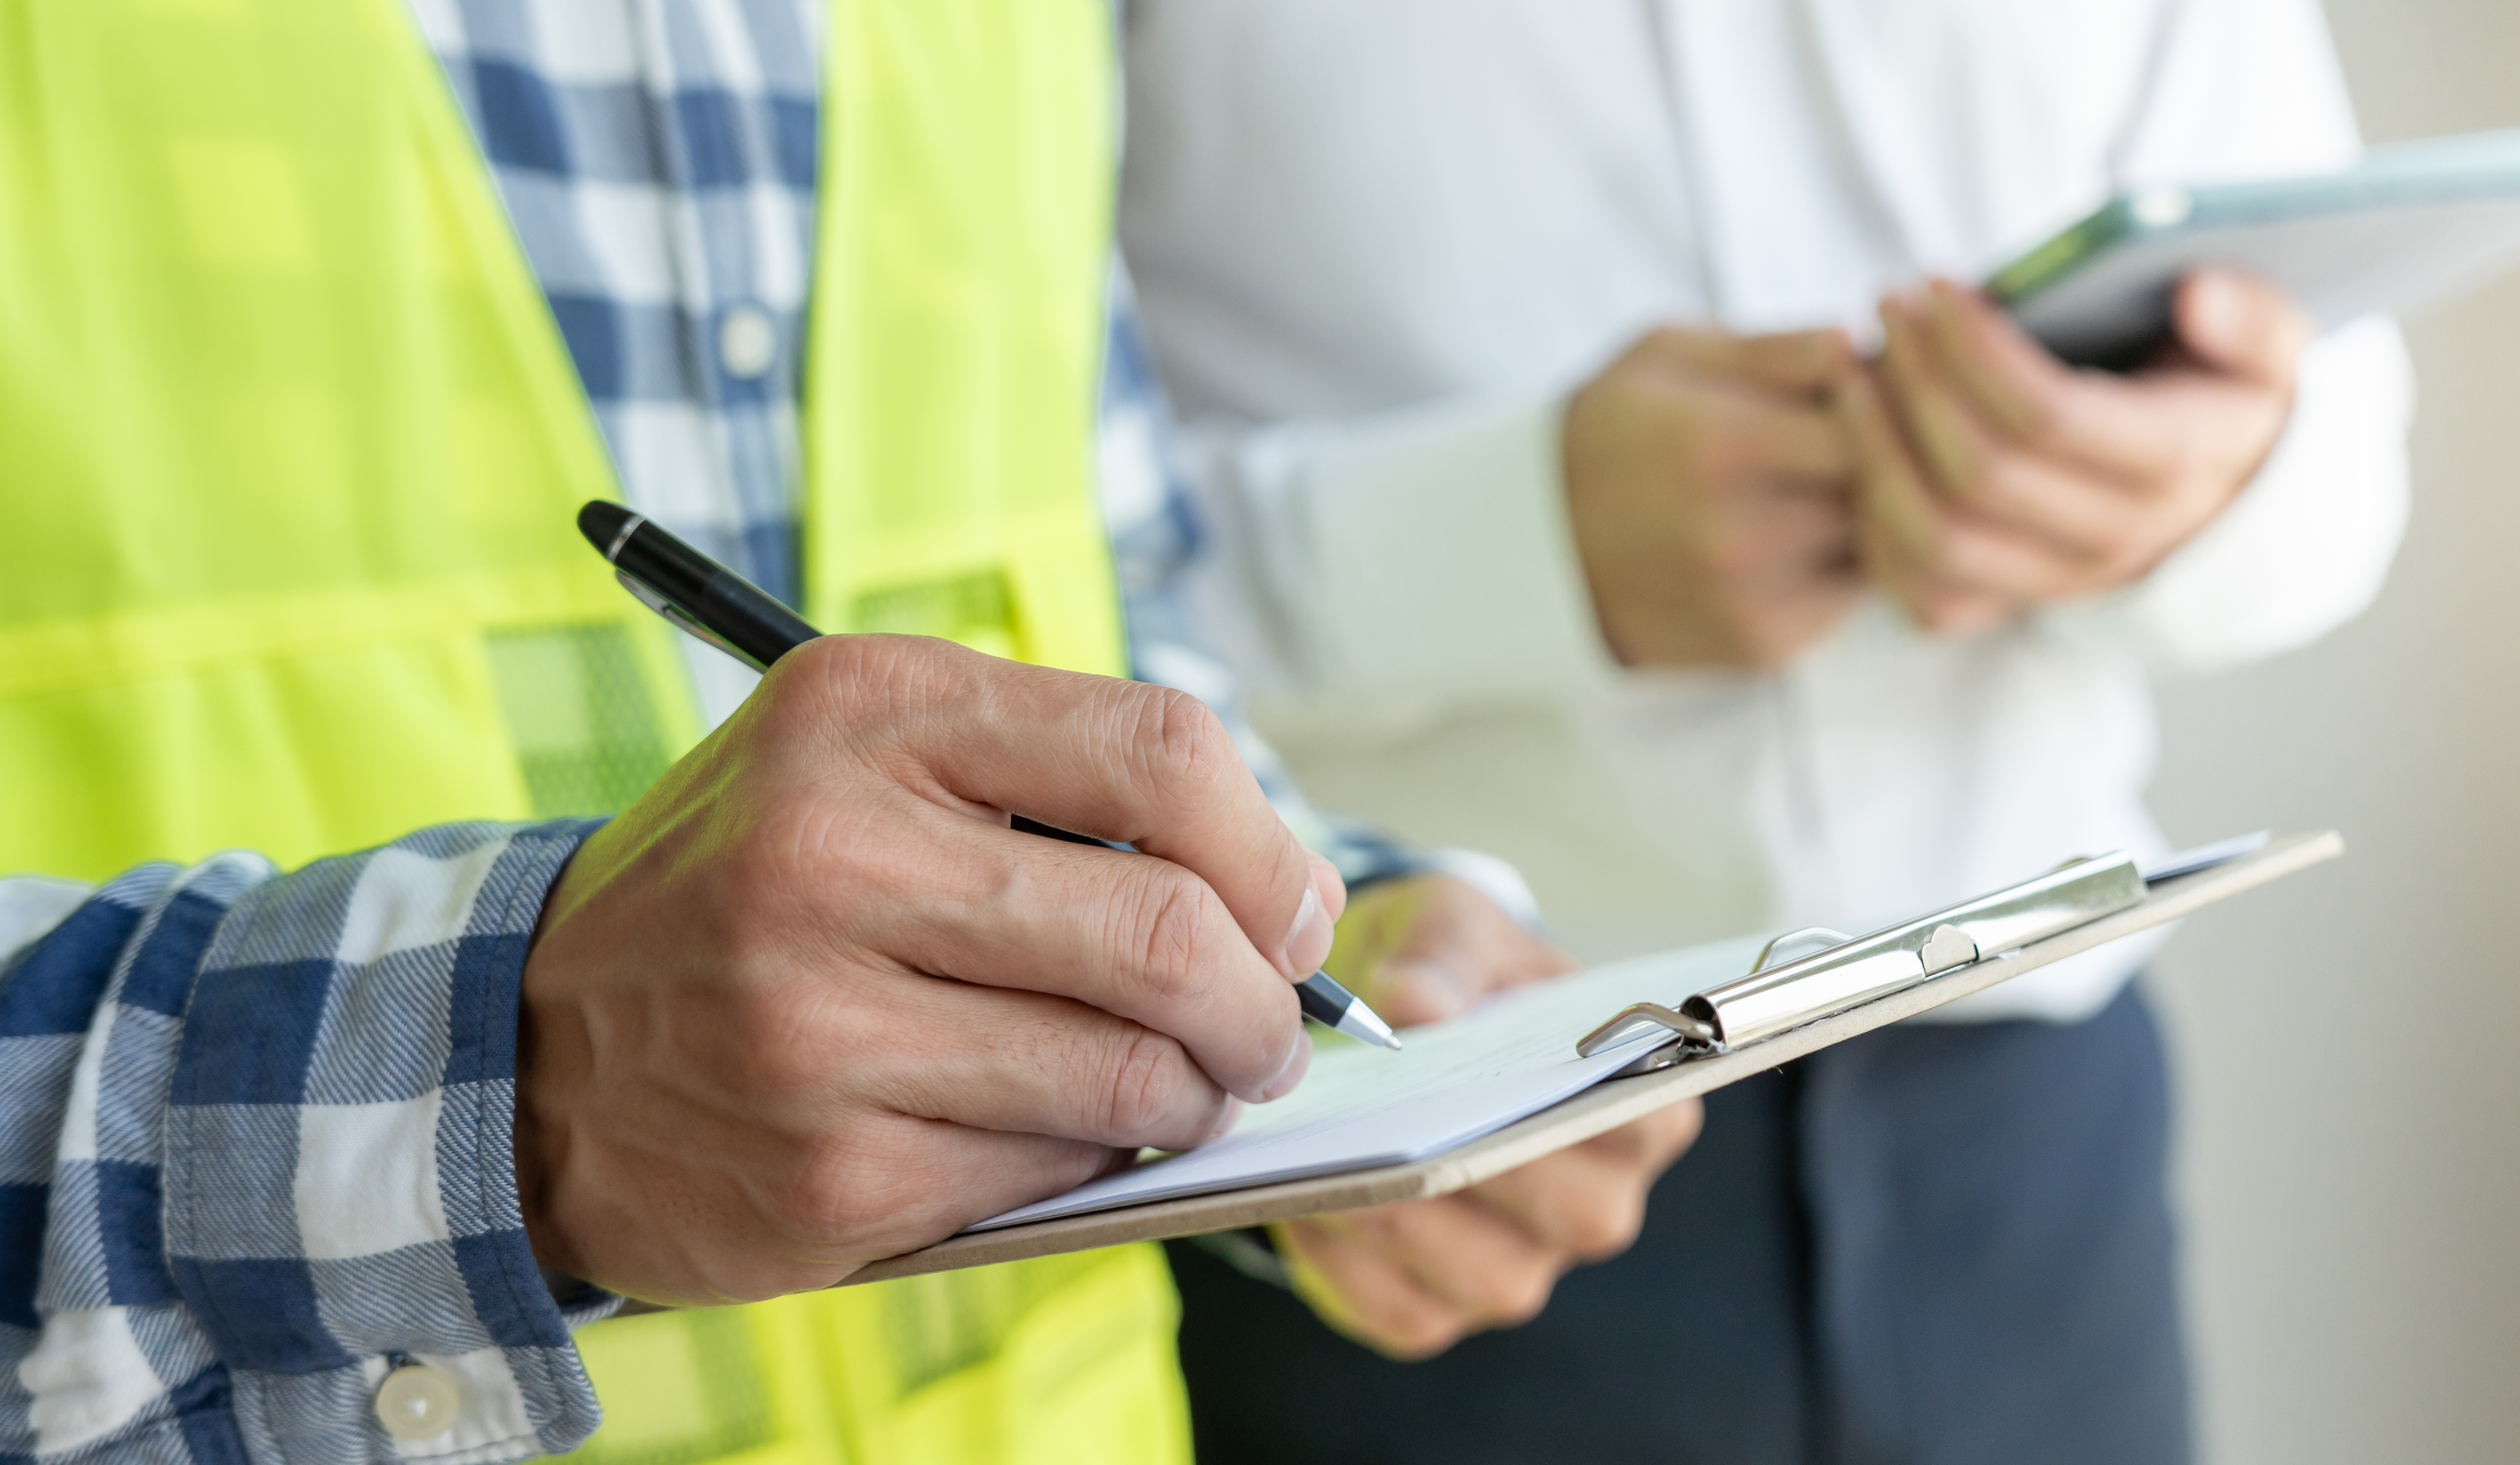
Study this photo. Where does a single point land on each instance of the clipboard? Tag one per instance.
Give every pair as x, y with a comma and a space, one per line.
1848, 988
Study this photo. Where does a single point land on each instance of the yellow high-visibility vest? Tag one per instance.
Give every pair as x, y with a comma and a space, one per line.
289, 449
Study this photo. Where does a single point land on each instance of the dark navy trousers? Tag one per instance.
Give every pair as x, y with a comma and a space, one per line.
1933, 1244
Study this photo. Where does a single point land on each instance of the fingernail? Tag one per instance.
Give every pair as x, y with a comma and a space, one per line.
1290, 1073
1308, 940
1225, 1119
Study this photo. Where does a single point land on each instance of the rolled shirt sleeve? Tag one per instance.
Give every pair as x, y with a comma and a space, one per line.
1426, 553
1429, 554
260, 1137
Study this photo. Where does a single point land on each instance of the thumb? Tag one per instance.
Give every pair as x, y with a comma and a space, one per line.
2241, 326
1455, 948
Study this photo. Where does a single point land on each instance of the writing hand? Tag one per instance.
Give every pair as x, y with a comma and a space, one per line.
809, 1002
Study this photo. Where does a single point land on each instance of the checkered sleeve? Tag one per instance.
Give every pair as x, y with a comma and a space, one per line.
259, 1138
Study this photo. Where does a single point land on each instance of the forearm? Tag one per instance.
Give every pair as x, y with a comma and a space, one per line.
261, 1136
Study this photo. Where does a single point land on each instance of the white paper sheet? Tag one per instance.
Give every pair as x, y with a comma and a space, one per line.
1362, 1107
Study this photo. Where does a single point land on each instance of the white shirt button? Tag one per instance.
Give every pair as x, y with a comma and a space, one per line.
417, 1402
748, 341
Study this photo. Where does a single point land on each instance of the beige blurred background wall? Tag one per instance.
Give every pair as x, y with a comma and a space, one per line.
2348, 1043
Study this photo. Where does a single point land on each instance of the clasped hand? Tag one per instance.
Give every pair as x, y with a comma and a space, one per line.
1732, 496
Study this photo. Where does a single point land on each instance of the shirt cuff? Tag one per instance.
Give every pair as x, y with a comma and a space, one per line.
341, 1176
1444, 561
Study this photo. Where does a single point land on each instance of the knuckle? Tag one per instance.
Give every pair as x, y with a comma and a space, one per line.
1182, 745
1170, 933
890, 669
1147, 1078
881, 694
841, 1190
1514, 1293
1603, 1230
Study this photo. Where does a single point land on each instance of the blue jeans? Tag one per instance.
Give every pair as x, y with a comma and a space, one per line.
1928, 1246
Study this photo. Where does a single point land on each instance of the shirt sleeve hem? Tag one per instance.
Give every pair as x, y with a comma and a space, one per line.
1446, 562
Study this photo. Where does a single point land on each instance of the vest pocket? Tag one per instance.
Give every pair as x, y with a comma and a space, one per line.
976, 609
679, 1387
1083, 1372
1066, 1360
298, 752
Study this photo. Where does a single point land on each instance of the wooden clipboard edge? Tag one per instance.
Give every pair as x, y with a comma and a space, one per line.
1597, 1110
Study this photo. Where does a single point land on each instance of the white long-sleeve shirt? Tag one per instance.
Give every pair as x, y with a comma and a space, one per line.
1377, 241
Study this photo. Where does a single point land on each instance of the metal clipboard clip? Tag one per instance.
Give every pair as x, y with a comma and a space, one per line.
1849, 972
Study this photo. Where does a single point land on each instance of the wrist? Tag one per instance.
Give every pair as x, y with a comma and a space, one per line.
549, 1053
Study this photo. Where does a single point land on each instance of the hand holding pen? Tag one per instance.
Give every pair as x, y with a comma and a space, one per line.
703, 597
808, 1001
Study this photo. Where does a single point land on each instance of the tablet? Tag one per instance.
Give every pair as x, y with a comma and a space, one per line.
2407, 225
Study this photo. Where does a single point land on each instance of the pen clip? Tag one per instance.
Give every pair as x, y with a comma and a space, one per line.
654, 600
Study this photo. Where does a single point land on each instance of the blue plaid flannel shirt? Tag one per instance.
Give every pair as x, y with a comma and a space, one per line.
257, 1126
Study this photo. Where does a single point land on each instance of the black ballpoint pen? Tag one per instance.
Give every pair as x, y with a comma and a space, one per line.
740, 618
